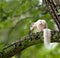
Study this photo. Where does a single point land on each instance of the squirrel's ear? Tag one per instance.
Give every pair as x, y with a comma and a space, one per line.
46, 26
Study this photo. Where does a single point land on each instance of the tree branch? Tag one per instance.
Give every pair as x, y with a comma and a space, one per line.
53, 12
29, 40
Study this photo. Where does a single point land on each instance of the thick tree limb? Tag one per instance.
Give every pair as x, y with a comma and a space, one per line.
29, 40
52, 9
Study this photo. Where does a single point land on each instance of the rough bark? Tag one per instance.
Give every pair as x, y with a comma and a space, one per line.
53, 11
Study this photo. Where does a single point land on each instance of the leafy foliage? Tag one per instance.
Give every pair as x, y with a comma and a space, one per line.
15, 19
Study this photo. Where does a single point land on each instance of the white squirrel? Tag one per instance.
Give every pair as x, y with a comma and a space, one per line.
41, 25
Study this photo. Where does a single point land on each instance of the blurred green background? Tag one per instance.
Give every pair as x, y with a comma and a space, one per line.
15, 19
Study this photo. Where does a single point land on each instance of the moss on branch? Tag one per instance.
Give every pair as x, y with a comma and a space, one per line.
29, 40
